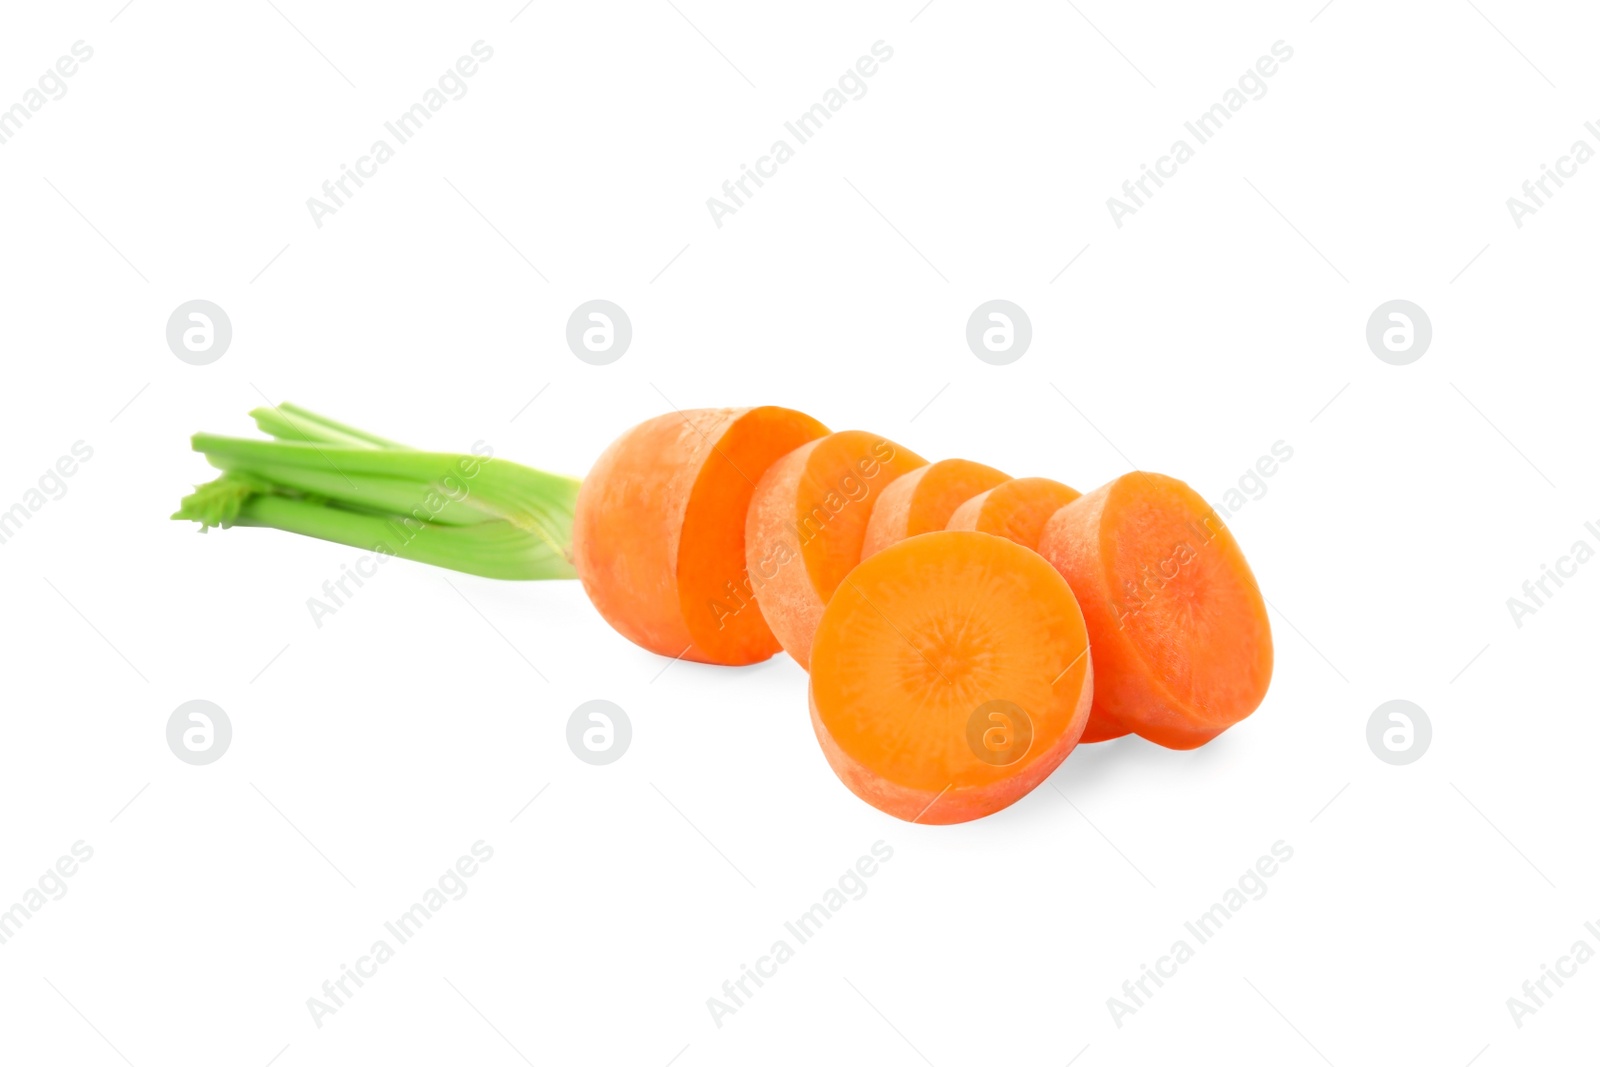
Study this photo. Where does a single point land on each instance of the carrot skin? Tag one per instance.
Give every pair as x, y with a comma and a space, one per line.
658, 530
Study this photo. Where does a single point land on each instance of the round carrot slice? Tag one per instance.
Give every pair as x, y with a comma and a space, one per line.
950, 676
1182, 644
1017, 509
658, 530
806, 521
924, 500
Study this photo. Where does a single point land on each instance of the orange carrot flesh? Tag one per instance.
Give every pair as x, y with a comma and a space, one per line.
1182, 644
1016, 510
1103, 726
950, 676
924, 500
806, 522
658, 530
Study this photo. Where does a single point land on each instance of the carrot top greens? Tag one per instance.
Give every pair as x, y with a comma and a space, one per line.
466, 511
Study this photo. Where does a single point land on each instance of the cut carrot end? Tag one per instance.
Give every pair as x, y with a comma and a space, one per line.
1016, 510
805, 526
1182, 643
658, 530
924, 500
950, 676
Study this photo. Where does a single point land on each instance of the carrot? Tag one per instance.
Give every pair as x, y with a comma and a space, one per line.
1103, 728
1182, 645
1017, 509
924, 500
805, 526
721, 535
658, 530
950, 676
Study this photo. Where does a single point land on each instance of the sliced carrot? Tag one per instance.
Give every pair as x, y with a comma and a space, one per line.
1182, 645
806, 522
924, 500
658, 530
1017, 509
1103, 726
950, 676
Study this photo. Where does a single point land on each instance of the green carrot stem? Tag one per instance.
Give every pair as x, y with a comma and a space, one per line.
453, 488
290, 422
370, 492
325, 479
489, 549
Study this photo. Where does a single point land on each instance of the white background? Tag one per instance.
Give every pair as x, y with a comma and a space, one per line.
1225, 316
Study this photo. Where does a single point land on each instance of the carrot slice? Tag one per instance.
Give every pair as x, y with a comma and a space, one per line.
1017, 509
924, 500
950, 676
1103, 726
658, 530
811, 508
1182, 644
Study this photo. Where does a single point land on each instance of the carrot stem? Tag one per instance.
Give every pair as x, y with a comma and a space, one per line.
322, 478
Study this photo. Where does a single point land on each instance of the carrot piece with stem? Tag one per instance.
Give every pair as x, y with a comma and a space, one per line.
924, 500
659, 530
950, 676
1182, 644
806, 522
1017, 509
